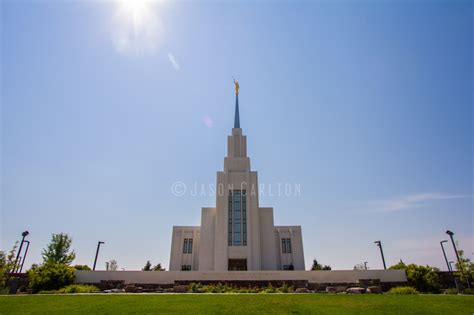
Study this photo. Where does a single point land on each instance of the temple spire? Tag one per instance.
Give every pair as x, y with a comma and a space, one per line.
236, 116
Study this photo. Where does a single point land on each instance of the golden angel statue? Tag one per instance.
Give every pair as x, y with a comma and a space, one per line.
236, 83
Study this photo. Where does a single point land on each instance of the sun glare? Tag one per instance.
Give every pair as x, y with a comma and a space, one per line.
136, 10
136, 27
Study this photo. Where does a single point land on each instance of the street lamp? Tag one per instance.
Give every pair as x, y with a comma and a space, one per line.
454, 277
379, 244
365, 265
97, 253
24, 256
457, 256
24, 234
444, 254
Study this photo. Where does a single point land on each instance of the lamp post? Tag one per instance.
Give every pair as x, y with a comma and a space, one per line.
24, 256
444, 254
379, 244
365, 265
454, 277
24, 234
97, 253
457, 256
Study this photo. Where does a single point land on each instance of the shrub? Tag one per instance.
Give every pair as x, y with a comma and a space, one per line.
79, 288
423, 278
50, 276
81, 267
468, 291
451, 291
403, 290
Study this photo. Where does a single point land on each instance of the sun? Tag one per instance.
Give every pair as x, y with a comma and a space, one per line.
136, 27
136, 10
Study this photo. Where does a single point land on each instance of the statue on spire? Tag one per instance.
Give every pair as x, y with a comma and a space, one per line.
236, 83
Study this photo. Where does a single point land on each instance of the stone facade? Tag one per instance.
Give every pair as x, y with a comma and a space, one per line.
237, 234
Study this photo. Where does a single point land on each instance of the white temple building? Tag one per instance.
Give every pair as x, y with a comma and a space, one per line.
237, 234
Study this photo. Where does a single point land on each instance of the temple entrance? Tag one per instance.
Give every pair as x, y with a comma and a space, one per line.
237, 264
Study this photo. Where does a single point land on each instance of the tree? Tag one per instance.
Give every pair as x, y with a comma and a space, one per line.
7, 264
147, 266
158, 267
81, 267
111, 265
318, 266
466, 266
59, 250
50, 276
360, 266
423, 278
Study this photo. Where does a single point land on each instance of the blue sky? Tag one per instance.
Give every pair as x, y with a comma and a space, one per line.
367, 106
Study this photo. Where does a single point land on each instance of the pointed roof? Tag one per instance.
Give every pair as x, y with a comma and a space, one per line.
236, 116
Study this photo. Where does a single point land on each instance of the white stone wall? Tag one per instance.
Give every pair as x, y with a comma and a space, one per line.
263, 250
208, 227
178, 258
296, 257
168, 277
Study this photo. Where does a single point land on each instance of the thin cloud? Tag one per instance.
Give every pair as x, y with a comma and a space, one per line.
173, 61
411, 201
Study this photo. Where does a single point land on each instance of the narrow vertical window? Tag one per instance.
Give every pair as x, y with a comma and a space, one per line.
283, 246
236, 217
185, 246
288, 245
244, 217
190, 246
237, 224
230, 218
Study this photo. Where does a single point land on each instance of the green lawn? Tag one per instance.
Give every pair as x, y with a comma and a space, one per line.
190, 304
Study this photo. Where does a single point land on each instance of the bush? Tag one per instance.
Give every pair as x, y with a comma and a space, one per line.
468, 291
451, 291
403, 290
50, 276
79, 288
81, 267
423, 278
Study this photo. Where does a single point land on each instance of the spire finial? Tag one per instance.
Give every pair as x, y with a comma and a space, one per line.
236, 116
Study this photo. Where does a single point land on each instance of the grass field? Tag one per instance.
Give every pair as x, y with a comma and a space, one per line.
237, 303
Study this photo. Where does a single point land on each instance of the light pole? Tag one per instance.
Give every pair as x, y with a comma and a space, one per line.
379, 244
457, 256
24, 256
444, 254
365, 265
97, 253
454, 277
24, 234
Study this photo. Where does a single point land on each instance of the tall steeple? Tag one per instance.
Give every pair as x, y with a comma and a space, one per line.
236, 116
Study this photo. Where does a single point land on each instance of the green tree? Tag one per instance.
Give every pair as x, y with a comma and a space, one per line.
147, 266
59, 250
50, 276
466, 266
7, 263
81, 267
158, 267
423, 278
318, 266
